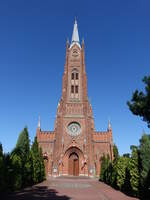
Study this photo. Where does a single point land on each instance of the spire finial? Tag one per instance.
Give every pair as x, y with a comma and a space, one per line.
75, 20
39, 123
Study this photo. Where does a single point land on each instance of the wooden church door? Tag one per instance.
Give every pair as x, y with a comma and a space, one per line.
74, 164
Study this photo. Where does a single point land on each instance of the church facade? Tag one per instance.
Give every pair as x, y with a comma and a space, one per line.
74, 147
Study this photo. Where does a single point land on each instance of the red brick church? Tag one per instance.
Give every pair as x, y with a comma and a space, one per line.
74, 147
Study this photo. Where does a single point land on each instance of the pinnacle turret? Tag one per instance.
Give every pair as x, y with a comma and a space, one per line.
39, 123
109, 126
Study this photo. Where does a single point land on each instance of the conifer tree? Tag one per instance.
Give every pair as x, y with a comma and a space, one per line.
36, 161
28, 170
103, 168
23, 143
105, 173
42, 165
23, 167
9, 173
134, 170
147, 185
2, 170
121, 171
115, 153
108, 170
22, 149
114, 163
144, 163
16, 175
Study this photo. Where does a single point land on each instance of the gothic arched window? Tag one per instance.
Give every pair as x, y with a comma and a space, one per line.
72, 88
76, 89
77, 76
74, 75
74, 83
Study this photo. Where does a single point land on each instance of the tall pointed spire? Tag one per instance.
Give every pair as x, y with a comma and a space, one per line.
75, 35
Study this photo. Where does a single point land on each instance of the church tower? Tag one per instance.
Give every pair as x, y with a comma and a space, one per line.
74, 147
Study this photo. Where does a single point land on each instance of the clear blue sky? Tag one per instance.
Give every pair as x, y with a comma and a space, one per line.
33, 38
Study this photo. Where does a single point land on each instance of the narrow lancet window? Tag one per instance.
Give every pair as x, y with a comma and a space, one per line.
76, 89
72, 89
77, 76
72, 76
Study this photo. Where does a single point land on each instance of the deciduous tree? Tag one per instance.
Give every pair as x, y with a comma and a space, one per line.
140, 102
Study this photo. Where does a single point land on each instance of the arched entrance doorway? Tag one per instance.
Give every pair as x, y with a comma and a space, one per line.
73, 164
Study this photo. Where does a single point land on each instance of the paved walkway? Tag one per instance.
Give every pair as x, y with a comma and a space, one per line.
70, 188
